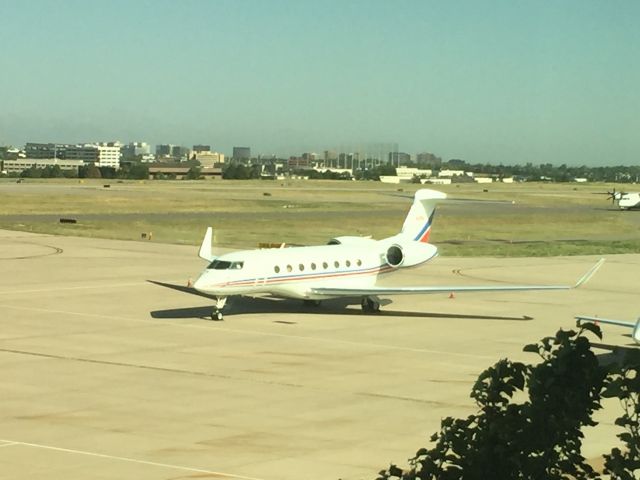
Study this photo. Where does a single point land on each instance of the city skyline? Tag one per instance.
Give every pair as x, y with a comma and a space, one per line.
494, 82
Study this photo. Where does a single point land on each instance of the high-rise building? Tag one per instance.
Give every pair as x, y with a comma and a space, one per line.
399, 158
172, 152
180, 153
109, 154
45, 150
241, 153
88, 153
202, 148
135, 150
99, 154
163, 150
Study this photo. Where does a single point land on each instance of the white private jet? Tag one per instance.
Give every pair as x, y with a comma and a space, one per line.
622, 323
626, 201
348, 266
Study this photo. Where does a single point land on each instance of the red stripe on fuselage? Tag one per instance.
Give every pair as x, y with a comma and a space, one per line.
304, 277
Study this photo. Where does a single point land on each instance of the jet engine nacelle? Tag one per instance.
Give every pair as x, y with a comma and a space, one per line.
350, 240
410, 254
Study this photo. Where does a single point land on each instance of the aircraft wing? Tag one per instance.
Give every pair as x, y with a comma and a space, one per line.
356, 291
181, 288
623, 323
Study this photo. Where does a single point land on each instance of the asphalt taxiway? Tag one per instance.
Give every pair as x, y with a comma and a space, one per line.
106, 375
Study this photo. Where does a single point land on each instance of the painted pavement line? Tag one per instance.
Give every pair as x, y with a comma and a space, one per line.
127, 459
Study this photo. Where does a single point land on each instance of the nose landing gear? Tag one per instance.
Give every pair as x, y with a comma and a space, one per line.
216, 314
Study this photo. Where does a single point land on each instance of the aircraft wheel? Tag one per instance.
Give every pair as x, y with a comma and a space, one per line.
369, 305
364, 304
217, 316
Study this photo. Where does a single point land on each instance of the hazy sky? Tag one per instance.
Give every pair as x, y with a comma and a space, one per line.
495, 81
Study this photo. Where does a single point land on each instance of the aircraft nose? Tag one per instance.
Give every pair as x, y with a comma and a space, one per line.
200, 283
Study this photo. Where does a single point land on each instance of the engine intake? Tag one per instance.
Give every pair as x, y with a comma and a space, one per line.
394, 256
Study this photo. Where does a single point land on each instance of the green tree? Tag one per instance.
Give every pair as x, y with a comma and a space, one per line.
541, 436
136, 171
624, 383
193, 173
89, 171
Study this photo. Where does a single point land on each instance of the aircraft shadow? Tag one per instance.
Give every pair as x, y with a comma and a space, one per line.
614, 353
341, 306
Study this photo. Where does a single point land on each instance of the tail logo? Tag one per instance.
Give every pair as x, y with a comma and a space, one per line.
425, 231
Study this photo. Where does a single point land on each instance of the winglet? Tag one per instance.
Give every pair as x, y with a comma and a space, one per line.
205, 248
587, 276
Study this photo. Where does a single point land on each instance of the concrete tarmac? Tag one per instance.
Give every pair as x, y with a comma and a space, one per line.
108, 376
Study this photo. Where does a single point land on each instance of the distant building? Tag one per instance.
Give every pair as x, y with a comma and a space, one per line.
163, 150
180, 153
483, 179
410, 172
348, 160
343, 171
399, 158
135, 150
241, 153
436, 181
98, 154
45, 150
179, 171
427, 159
18, 166
88, 153
208, 159
450, 173
172, 152
11, 153
201, 148
298, 162
109, 155
394, 179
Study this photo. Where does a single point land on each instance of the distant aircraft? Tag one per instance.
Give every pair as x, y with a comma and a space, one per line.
623, 323
347, 266
626, 201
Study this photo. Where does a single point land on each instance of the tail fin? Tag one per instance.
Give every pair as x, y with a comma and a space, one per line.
417, 225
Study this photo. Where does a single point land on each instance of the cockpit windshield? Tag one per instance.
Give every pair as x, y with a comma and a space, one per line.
225, 265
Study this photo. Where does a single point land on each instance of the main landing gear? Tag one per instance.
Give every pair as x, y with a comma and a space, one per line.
370, 305
216, 314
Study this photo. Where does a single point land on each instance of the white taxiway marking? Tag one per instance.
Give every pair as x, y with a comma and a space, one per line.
264, 334
79, 287
127, 459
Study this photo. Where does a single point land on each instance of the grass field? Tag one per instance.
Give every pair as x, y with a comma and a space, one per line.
526, 219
